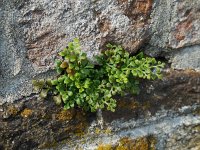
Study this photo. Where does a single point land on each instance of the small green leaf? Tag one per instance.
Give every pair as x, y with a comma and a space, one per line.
70, 93
61, 79
83, 56
35, 82
67, 80
43, 93
134, 73
89, 66
57, 99
65, 97
66, 106
63, 52
71, 66
140, 55
148, 77
137, 62
78, 101
58, 63
59, 70
36, 88
64, 65
72, 105
72, 58
49, 82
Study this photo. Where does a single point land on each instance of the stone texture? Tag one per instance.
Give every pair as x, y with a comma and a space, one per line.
177, 89
167, 109
33, 31
164, 106
175, 24
143, 143
186, 58
175, 27
187, 137
34, 123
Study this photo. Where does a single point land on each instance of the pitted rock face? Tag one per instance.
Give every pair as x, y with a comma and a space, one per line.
47, 27
175, 24
33, 31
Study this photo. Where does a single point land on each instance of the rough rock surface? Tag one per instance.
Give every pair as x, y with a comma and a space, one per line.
33, 123
162, 108
168, 110
186, 58
175, 27
175, 24
32, 32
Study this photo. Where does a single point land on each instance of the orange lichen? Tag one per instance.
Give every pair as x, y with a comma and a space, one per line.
105, 147
12, 110
65, 115
26, 112
79, 119
80, 115
143, 143
127, 144
104, 25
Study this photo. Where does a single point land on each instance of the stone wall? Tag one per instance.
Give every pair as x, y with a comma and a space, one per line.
167, 110
33, 31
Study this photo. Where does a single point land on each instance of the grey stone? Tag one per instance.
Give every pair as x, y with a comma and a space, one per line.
170, 133
175, 28
32, 32
186, 58
38, 124
175, 24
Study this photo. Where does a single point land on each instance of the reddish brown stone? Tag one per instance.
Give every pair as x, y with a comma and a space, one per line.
138, 9
104, 25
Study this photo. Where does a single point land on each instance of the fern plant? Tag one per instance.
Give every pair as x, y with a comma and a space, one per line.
84, 84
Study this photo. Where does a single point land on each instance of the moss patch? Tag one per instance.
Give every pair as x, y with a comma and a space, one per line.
26, 113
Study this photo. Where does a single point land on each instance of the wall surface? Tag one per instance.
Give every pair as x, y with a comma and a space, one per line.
33, 31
